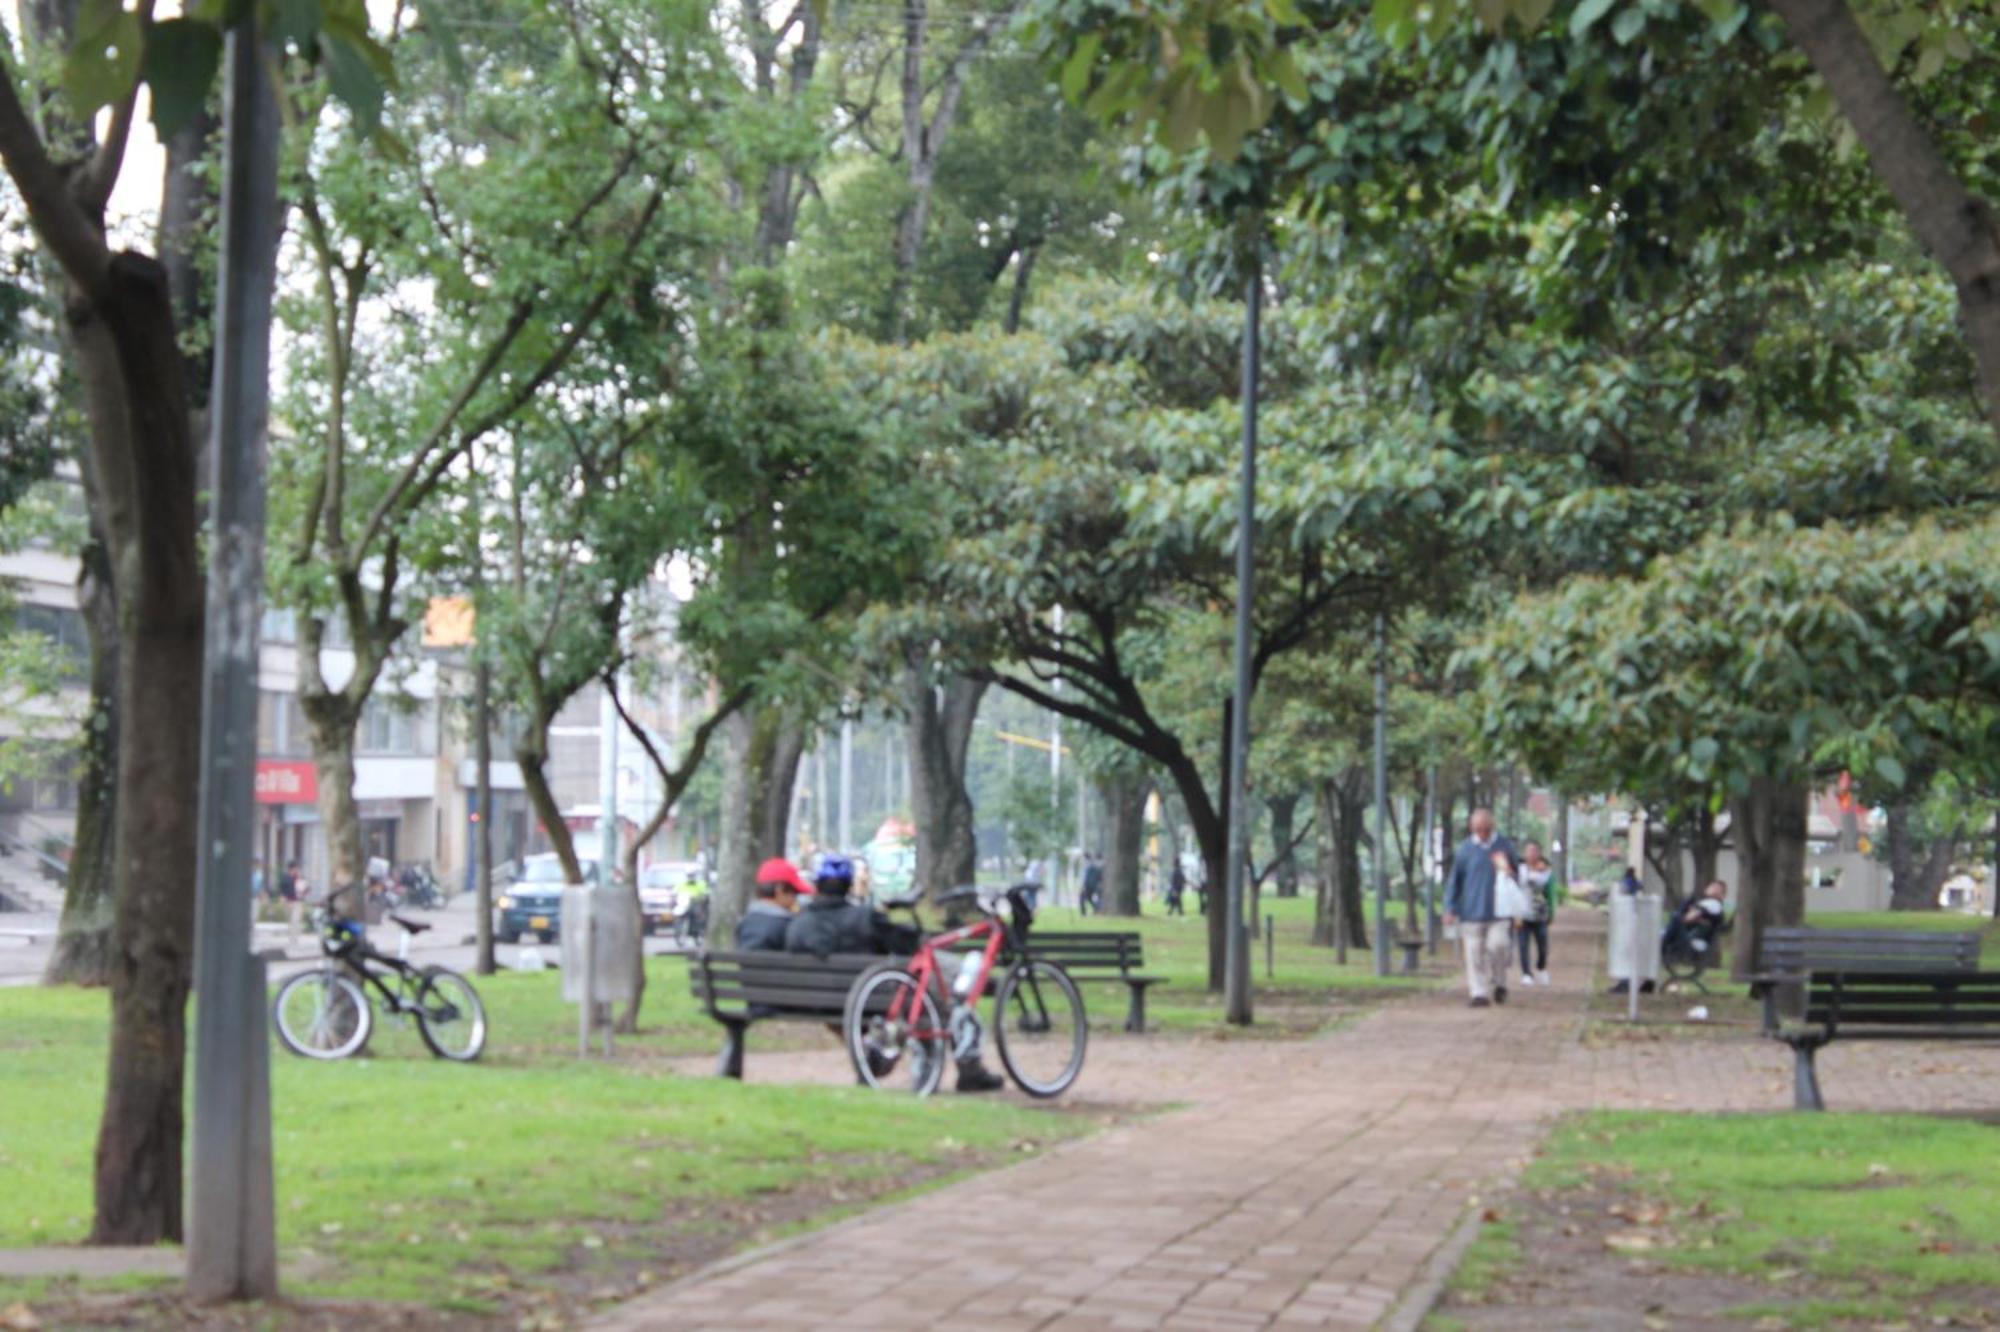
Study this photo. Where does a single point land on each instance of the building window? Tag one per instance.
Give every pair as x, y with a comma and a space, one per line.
395, 727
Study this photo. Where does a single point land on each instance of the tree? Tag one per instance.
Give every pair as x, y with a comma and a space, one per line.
1229, 71
1752, 664
446, 302
123, 344
1121, 518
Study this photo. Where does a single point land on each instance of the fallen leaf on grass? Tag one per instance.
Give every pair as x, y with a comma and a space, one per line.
18, 1317
1631, 1241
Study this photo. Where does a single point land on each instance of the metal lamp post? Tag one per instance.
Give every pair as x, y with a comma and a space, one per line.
232, 1250
1236, 944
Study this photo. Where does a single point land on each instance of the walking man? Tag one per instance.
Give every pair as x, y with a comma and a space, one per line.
1483, 933
1093, 885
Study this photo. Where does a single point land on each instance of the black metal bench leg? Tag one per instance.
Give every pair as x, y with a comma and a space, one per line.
731, 1063
1805, 1077
1135, 1017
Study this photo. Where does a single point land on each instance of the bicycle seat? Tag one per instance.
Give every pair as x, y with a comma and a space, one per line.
907, 902
413, 926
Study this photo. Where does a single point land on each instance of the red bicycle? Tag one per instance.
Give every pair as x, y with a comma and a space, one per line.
906, 1018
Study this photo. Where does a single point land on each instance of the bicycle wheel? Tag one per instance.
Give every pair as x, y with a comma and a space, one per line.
450, 1017
322, 1015
1039, 1027
893, 1032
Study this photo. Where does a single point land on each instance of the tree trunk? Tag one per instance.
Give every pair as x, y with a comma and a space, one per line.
82, 954
128, 360
1705, 845
735, 860
1284, 810
1917, 870
1770, 828
331, 722
939, 735
1339, 916
777, 776
1955, 225
1125, 810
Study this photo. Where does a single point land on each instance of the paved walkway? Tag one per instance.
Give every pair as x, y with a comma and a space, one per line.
1305, 1184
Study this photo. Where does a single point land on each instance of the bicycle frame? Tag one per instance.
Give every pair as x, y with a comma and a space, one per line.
354, 960
924, 967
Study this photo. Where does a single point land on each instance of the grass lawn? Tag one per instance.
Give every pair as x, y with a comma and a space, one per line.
1304, 990
1778, 1220
530, 1175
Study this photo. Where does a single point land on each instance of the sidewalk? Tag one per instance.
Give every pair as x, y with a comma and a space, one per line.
1309, 1184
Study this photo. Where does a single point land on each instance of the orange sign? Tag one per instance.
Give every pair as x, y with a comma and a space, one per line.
449, 622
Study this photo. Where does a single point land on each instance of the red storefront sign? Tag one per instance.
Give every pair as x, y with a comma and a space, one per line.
285, 782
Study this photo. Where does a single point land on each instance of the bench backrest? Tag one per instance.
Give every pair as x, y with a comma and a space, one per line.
1794, 950
795, 982
1110, 950
1884, 999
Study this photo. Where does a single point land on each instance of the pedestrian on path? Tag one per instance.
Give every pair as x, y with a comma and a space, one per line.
1484, 935
1177, 891
1545, 894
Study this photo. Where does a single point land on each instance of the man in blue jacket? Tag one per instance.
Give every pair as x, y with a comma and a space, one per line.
1486, 938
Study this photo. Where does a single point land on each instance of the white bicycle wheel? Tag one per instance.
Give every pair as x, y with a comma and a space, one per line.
322, 1015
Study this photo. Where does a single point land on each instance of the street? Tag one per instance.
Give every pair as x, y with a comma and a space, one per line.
27, 936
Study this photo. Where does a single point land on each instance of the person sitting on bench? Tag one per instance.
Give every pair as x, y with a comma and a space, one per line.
768, 918
830, 924
1695, 925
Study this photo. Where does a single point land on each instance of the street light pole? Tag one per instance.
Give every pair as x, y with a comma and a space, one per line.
1236, 946
232, 1250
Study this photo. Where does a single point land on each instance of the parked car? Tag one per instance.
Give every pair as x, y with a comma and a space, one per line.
532, 904
672, 894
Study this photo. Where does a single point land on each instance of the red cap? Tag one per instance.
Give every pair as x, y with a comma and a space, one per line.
779, 870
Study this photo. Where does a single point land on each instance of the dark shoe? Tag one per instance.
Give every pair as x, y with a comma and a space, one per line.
1499, 994
880, 1062
974, 1076
1479, 1003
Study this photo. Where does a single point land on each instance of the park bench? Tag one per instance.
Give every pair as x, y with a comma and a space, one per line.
1823, 985
1111, 956
738, 988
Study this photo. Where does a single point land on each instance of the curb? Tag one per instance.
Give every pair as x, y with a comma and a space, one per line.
1409, 1312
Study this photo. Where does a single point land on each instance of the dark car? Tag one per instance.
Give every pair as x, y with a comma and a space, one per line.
532, 904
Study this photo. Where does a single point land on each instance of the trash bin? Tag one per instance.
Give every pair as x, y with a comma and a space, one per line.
602, 921
1634, 947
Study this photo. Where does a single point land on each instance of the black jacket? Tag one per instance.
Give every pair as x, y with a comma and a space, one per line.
763, 931
827, 924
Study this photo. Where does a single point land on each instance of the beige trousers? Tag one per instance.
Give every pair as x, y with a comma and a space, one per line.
1489, 947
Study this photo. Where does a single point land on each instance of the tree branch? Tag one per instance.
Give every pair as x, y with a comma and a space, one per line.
72, 236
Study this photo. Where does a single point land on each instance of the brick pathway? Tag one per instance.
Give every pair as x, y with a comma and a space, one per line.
1305, 1184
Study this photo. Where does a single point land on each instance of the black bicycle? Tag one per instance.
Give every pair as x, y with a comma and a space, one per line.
325, 1013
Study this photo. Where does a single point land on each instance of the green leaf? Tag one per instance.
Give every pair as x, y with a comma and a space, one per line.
103, 65
1630, 22
1075, 75
1586, 16
1704, 751
1889, 770
1391, 20
296, 22
354, 80
180, 64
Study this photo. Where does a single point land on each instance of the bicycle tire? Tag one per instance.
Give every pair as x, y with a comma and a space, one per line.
341, 1018
446, 999
1035, 1000
878, 1048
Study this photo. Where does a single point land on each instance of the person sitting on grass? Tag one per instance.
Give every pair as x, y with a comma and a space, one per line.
768, 919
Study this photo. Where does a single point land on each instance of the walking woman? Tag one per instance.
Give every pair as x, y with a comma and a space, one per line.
1544, 892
